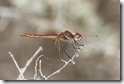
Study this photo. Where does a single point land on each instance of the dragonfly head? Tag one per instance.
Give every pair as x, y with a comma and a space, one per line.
77, 37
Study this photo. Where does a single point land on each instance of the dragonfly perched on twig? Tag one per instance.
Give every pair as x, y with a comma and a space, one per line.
67, 36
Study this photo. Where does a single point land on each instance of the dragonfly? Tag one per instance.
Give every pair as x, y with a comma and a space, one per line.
67, 36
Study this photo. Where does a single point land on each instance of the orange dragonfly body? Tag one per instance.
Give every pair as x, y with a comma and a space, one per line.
75, 38
65, 36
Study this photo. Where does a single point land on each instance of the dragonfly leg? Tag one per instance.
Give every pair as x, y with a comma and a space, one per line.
77, 46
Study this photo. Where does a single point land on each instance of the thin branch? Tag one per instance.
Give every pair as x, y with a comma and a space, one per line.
40, 70
30, 60
12, 56
22, 70
36, 63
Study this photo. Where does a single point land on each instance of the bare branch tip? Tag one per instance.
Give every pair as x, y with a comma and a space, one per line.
41, 48
10, 54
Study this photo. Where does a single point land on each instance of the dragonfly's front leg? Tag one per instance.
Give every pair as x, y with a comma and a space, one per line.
77, 45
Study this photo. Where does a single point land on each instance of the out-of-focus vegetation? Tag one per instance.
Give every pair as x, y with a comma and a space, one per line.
97, 61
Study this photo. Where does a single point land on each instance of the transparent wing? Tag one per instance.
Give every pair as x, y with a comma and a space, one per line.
89, 39
52, 61
71, 49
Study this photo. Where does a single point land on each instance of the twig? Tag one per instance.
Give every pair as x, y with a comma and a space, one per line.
21, 74
40, 70
30, 60
22, 70
36, 63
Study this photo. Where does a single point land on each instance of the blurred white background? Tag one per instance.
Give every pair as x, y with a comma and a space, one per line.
97, 61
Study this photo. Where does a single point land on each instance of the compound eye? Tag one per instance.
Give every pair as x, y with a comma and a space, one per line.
78, 37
